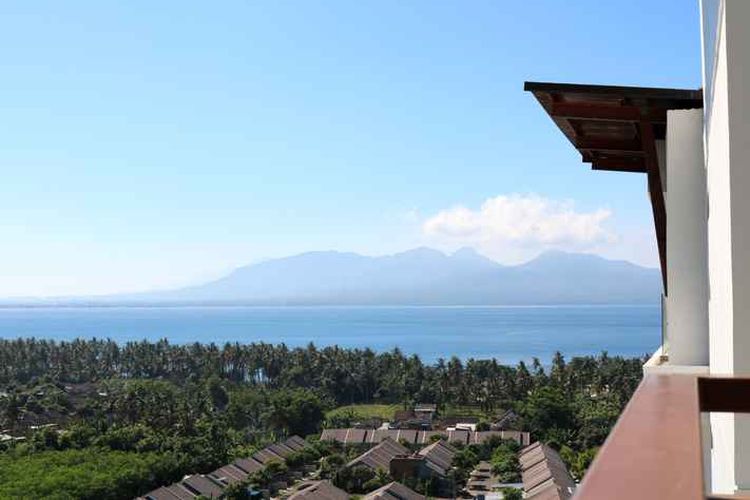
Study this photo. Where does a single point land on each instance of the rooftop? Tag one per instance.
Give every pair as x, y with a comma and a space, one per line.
438, 456
617, 129
544, 474
394, 491
212, 485
359, 436
380, 456
320, 490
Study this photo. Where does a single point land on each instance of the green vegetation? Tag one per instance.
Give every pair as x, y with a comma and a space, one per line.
365, 411
196, 407
83, 474
512, 494
504, 462
451, 410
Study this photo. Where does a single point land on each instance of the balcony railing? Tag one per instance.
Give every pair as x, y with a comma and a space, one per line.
655, 449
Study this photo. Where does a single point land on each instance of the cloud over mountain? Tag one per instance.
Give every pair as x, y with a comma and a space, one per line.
514, 227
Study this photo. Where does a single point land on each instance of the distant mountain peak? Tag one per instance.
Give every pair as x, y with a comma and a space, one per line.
422, 276
554, 260
421, 252
468, 253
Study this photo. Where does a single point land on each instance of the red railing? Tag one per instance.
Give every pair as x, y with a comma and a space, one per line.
654, 451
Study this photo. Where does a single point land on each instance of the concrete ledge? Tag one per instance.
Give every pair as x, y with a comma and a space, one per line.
658, 364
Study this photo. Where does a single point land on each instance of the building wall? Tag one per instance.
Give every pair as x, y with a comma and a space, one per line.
719, 221
720, 269
727, 158
738, 79
737, 18
687, 273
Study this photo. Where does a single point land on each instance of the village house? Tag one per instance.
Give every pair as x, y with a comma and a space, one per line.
319, 490
394, 491
544, 474
212, 485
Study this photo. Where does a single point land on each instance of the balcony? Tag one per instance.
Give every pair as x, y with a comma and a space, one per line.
658, 448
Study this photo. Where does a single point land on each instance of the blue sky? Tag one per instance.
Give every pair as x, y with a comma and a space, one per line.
147, 146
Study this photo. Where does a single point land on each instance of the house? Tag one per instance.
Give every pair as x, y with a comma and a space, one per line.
190, 487
370, 423
229, 474
425, 411
320, 490
434, 462
463, 426
678, 436
354, 436
403, 416
394, 491
544, 474
403, 467
174, 492
454, 421
438, 457
508, 420
346, 436
484, 485
248, 465
212, 485
410, 419
267, 455
203, 486
398, 435
379, 457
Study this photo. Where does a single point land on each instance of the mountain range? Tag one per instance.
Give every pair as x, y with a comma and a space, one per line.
422, 276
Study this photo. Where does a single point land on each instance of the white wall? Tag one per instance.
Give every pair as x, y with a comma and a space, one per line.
687, 272
738, 77
719, 222
737, 19
720, 269
727, 161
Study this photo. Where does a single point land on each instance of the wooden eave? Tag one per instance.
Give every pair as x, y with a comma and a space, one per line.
616, 129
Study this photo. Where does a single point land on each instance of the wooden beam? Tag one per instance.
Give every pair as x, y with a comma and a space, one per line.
656, 190
724, 395
609, 145
637, 165
581, 111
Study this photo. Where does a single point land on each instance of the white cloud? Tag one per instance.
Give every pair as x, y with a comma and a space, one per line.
515, 227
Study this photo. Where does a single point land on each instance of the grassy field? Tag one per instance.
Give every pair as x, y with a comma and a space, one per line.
466, 411
366, 411
386, 411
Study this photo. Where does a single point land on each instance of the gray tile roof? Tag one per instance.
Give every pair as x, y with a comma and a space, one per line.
202, 485
213, 483
357, 436
249, 465
229, 474
544, 474
378, 435
439, 457
347, 436
162, 493
296, 443
394, 491
320, 490
267, 455
379, 457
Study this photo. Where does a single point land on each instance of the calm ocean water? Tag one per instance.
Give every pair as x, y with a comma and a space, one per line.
506, 333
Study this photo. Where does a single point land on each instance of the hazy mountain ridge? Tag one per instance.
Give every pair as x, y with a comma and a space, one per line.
422, 276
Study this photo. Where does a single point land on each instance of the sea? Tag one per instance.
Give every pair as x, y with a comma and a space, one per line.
508, 334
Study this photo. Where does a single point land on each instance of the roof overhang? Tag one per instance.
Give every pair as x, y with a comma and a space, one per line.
616, 129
